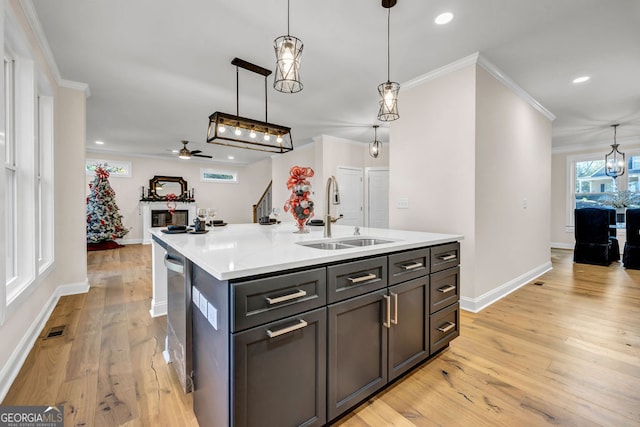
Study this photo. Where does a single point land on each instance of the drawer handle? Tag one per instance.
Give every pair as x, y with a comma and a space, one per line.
446, 289
447, 328
300, 325
387, 324
362, 278
395, 308
411, 266
448, 257
297, 294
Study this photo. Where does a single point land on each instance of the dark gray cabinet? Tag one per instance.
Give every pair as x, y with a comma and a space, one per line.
409, 325
279, 373
302, 347
357, 351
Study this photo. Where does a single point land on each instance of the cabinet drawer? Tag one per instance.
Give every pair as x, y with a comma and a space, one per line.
271, 298
445, 256
356, 278
445, 288
408, 265
444, 326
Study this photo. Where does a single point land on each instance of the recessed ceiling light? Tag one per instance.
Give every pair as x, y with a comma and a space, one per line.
100, 142
230, 157
581, 79
444, 18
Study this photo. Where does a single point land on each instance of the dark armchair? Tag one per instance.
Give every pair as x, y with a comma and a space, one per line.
631, 257
594, 243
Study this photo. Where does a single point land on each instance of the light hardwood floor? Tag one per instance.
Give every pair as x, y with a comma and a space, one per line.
566, 352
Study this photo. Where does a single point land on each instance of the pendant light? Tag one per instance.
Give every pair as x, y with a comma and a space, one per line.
389, 90
288, 52
615, 160
375, 148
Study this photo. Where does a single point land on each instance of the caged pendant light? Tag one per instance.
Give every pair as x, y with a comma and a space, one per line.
375, 148
288, 52
615, 160
389, 90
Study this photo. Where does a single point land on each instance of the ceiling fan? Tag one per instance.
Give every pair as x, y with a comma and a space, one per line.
184, 152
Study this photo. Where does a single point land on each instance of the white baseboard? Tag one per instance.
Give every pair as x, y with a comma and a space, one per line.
10, 370
129, 241
158, 309
558, 245
474, 305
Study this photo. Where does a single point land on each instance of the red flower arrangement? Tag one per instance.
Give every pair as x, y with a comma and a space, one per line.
298, 203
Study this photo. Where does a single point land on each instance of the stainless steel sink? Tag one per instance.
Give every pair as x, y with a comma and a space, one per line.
345, 243
363, 242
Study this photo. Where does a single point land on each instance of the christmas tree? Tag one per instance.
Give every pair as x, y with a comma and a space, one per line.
104, 221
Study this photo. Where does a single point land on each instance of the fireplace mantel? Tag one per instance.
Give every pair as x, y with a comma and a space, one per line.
147, 207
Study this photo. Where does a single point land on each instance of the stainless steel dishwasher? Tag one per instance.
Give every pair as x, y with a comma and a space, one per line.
179, 316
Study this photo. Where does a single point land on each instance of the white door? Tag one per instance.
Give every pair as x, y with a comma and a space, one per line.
377, 211
350, 184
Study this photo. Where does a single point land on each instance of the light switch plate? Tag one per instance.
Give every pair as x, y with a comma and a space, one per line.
402, 203
195, 296
203, 305
212, 316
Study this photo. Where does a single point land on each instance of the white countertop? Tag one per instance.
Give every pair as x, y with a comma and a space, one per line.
243, 250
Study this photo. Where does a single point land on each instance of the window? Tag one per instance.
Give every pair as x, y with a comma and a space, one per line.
589, 186
214, 175
28, 171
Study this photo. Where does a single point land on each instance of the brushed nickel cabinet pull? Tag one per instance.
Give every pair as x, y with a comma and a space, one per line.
448, 257
446, 289
298, 294
362, 278
300, 325
411, 266
387, 324
395, 308
449, 326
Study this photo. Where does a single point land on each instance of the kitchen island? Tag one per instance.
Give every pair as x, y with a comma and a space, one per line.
297, 329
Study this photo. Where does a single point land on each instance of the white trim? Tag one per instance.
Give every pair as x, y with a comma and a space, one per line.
159, 309
34, 23
129, 241
79, 86
474, 305
559, 245
479, 59
10, 370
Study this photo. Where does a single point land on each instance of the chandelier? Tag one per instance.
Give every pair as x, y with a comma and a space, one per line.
288, 52
242, 132
375, 148
615, 160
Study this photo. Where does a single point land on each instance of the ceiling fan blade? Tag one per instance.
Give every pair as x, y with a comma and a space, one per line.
196, 151
201, 155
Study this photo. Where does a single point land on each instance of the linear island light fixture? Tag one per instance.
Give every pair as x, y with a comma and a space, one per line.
242, 132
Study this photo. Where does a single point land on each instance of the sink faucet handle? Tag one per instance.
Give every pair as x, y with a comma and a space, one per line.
356, 231
334, 219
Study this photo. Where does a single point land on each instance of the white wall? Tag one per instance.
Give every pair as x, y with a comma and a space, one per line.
233, 201
513, 184
324, 155
27, 315
458, 155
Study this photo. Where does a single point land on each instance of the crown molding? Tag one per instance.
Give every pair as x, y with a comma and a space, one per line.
34, 23
478, 59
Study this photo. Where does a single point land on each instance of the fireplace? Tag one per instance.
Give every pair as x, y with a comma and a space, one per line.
152, 216
162, 218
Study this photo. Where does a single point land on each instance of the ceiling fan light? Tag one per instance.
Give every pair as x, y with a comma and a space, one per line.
184, 154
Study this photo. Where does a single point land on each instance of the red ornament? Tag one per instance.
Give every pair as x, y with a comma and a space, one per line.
298, 203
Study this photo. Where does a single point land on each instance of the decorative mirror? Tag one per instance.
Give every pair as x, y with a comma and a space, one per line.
161, 186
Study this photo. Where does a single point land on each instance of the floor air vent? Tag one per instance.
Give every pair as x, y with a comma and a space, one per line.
56, 331
538, 283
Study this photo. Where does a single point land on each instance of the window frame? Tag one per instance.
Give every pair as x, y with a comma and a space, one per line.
621, 184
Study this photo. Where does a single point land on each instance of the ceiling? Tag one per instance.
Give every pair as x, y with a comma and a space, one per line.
158, 68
